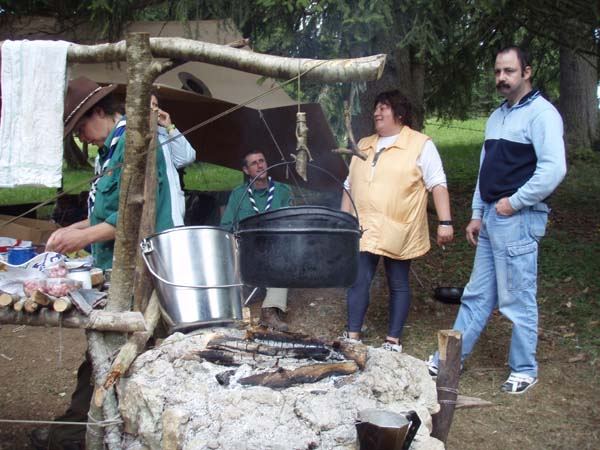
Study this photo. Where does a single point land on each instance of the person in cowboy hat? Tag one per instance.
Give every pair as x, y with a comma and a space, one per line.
94, 115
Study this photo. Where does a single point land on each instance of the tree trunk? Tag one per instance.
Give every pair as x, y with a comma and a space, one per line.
578, 102
142, 282
403, 72
74, 157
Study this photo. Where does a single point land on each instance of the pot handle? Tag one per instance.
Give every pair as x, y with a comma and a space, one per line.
147, 248
415, 423
285, 163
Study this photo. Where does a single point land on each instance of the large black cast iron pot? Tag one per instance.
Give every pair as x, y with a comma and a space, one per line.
299, 247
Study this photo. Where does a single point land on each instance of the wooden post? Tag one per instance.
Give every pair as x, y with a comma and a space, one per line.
140, 72
142, 283
99, 353
450, 349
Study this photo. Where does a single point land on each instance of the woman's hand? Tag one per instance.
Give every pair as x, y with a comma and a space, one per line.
67, 240
445, 234
164, 119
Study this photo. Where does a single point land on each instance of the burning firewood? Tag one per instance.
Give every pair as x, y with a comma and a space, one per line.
263, 334
355, 352
226, 358
283, 378
286, 350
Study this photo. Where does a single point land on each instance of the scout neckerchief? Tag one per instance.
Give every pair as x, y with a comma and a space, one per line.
99, 170
269, 198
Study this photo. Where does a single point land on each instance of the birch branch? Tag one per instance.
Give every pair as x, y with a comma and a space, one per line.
367, 68
124, 322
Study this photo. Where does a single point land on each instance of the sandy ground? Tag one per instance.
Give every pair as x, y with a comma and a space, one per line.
38, 367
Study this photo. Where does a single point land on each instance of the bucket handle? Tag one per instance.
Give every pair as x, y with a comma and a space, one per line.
147, 248
285, 163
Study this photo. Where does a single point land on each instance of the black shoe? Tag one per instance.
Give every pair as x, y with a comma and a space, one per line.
39, 438
271, 318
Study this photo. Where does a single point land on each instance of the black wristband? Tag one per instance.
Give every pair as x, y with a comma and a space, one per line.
445, 222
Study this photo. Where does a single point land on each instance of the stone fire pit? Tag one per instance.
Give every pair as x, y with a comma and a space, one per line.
172, 399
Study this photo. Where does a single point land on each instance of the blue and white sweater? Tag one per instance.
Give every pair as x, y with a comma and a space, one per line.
523, 156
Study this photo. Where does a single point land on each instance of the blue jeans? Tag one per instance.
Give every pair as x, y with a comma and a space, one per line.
505, 274
396, 272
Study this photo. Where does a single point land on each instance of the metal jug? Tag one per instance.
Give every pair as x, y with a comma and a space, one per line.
378, 429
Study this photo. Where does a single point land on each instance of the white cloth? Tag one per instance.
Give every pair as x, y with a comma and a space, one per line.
34, 77
178, 153
429, 162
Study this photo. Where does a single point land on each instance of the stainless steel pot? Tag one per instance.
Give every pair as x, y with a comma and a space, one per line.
196, 276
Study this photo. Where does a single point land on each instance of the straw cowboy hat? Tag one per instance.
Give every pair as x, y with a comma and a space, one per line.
82, 94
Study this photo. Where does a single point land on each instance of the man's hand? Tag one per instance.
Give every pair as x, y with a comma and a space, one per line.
473, 231
503, 207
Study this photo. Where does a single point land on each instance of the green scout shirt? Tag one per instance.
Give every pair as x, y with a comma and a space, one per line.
282, 197
106, 205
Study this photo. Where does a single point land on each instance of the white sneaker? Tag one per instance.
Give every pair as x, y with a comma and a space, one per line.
518, 383
346, 338
432, 366
392, 347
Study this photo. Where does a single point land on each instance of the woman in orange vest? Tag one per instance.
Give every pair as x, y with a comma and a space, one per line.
390, 191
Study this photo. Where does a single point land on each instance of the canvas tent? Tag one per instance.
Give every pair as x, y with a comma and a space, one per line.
223, 142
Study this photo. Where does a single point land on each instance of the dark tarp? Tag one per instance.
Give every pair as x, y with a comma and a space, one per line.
226, 140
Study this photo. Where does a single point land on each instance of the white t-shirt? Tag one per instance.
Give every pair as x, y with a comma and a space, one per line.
429, 162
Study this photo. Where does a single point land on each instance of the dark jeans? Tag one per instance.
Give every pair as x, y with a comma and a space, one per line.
65, 436
396, 272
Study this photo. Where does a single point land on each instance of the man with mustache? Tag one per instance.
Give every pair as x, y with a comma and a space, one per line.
522, 162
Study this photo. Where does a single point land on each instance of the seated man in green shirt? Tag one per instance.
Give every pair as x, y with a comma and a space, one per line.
264, 195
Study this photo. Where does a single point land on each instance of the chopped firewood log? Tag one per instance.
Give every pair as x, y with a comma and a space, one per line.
18, 305
30, 306
62, 304
356, 352
283, 378
287, 350
40, 298
7, 299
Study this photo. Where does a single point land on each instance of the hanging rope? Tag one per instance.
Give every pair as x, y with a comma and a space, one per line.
287, 172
